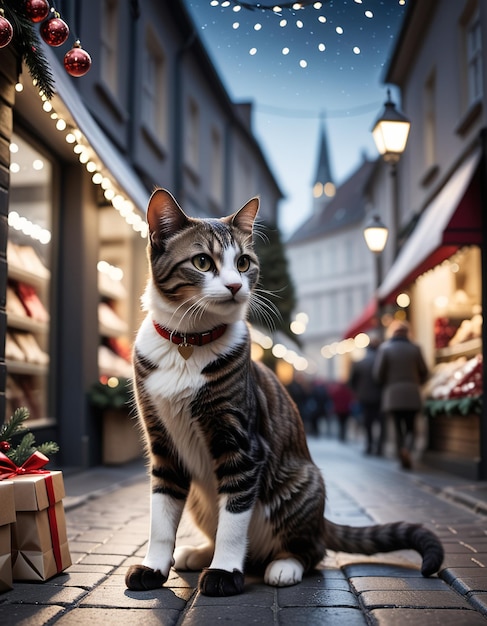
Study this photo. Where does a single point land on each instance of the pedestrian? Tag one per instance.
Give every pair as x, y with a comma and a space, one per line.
368, 392
342, 398
401, 370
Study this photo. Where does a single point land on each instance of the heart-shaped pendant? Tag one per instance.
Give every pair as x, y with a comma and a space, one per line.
185, 350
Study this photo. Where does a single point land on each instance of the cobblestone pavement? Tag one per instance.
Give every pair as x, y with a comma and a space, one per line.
107, 516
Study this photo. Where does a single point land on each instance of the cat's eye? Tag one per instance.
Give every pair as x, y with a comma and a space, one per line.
243, 263
202, 262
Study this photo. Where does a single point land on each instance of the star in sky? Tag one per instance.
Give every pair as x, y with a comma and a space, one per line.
324, 60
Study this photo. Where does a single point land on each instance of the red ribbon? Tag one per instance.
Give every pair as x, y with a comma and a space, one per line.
51, 512
34, 465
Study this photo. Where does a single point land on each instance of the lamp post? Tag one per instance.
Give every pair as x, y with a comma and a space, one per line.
375, 233
390, 133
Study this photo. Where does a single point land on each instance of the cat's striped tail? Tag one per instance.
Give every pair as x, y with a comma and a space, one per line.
387, 538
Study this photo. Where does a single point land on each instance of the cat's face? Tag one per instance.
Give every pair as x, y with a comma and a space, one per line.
202, 270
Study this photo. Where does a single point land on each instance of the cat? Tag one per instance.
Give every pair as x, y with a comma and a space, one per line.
223, 436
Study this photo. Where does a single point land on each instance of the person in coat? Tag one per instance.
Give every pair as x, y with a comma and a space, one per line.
401, 370
369, 394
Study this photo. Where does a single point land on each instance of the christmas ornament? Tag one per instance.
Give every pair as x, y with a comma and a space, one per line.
77, 61
36, 10
6, 30
4, 446
54, 31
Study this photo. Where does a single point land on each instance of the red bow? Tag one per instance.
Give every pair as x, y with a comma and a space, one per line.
33, 465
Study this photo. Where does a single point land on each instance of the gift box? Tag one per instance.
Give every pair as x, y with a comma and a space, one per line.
39, 543
7, 517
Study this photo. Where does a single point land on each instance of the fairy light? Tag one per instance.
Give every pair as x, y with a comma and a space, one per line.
85, 154
294, 10
28, 228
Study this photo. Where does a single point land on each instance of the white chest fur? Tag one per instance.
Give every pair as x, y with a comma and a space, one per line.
173, 386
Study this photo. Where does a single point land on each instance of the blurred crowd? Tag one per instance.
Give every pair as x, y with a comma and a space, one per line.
383, 386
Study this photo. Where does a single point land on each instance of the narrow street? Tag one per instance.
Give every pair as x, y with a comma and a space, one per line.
107, 514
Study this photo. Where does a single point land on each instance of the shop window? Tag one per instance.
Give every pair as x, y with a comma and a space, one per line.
154, 93
472, 43
28, 291
109, 44
193, 135
430, 121
216, 165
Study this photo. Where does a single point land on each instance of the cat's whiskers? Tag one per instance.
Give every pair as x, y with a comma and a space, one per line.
264, 309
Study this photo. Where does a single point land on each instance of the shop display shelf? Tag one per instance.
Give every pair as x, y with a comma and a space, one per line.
22, 367
24, 276
23, 322
466, 348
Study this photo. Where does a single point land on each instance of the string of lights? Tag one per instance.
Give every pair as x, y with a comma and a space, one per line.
275, 8
99, 171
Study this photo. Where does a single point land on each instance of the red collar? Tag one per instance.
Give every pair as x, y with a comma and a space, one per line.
193, 339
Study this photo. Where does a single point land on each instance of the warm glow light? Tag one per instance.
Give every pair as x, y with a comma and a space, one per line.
390, 132
362, 340
403, 300
298, 328
317, 190
329, 190
375, 233
279, 350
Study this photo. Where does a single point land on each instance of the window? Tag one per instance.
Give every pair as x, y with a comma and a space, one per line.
193, 135
430, 121
216, 165
109, 44
473, 40
154, 98
29, 286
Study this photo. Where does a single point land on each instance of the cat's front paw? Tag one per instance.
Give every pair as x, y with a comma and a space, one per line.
142, 578
219, 582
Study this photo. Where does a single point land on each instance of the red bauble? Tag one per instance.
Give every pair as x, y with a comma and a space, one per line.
4, 446
36, 10
54, 31
6, 32
77, 61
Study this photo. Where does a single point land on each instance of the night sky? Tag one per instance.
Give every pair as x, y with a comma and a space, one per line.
326, 63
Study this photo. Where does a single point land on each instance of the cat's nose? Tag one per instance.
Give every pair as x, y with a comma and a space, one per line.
234, 287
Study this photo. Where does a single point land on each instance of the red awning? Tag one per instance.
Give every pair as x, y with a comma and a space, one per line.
367, 320
451, 220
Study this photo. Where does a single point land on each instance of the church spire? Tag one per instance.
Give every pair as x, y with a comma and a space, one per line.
323, 184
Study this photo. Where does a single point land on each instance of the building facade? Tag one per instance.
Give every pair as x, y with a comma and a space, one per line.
333, 271
77, 172
439, 66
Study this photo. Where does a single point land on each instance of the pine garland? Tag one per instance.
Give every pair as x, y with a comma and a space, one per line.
26, 447
29, 46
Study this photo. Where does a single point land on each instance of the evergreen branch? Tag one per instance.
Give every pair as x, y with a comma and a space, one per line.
14, 425
29, 47
23, 451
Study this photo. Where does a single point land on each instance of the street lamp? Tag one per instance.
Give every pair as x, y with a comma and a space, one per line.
375, 233
390, 133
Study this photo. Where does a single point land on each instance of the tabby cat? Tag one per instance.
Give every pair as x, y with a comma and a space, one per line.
223, 436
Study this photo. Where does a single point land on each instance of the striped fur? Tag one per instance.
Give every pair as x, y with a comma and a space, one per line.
224, 439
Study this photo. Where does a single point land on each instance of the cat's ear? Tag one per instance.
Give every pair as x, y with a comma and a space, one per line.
244, 218
164, 216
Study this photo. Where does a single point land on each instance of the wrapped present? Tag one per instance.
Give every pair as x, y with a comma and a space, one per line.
7, 517
39, 543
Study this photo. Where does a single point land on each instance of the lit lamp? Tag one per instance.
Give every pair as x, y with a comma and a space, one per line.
390, 133
375, 233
